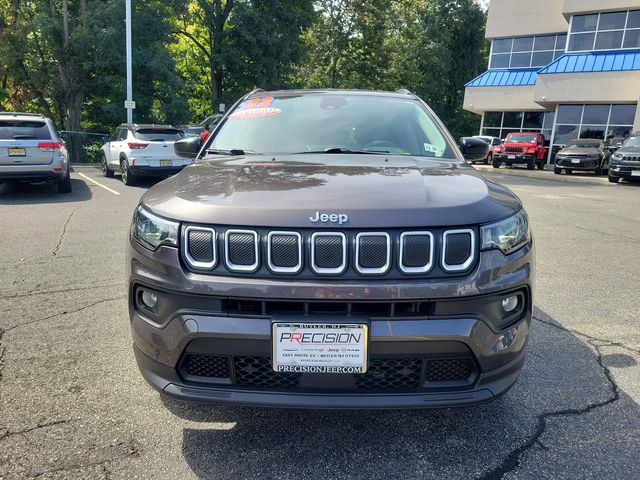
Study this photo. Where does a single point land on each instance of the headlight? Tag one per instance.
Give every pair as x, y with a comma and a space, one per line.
152, 231
507, 235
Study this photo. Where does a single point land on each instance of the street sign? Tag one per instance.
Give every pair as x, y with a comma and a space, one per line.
130, 104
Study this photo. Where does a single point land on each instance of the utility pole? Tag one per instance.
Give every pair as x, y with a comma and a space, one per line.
129, 103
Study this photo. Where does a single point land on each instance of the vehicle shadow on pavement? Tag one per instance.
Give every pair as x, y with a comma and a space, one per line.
40, 193
567, 392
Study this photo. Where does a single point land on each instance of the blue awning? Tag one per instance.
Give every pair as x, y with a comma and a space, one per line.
505, 78
609, 61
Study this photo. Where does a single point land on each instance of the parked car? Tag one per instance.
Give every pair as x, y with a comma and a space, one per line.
625, 162
584, 155
32, 151
331, 249
475, 149
142, 150
191, 130
494, 144
521, 147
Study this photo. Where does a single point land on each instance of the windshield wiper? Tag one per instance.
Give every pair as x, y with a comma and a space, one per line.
233, 152
348, 150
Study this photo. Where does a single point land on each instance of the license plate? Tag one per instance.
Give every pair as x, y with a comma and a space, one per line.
511, 157
166, 163
17, 152
635, 173
319, 348
575, 160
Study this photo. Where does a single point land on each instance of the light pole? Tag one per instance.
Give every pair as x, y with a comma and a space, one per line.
129, 104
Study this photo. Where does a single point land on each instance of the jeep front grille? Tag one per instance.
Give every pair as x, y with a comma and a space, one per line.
311, 254
458, 252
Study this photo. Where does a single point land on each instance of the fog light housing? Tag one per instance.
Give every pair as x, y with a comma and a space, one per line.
505, 340
510, 303
149, 299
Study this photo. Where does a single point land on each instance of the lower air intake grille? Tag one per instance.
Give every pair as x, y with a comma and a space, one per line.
383, 374
391, 374
448, 369
257, 372
206, 366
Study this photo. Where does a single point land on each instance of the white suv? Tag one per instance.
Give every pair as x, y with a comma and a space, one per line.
142, 150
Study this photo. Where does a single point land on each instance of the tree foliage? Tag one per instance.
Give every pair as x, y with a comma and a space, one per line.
65, 58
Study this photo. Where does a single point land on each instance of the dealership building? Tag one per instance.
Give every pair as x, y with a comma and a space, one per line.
566, 68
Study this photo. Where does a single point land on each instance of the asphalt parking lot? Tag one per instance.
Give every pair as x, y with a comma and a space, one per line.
72, 404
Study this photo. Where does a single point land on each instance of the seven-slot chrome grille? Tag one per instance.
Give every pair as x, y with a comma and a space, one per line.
305, 253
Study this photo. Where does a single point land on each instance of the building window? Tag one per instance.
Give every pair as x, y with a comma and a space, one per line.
605, 31
526, 52
499, 124
592, 121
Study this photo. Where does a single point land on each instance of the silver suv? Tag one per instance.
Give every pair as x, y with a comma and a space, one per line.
32, 151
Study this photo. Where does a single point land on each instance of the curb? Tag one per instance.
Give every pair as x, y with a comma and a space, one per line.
544, 175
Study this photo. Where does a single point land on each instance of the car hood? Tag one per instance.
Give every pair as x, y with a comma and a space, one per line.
579, 151
374, 191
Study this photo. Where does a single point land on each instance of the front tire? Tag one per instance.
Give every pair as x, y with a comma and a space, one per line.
128, 178
540, 165
557, 170
613, 179
496, 163
488, 160
531, 164
568, 171
105, 167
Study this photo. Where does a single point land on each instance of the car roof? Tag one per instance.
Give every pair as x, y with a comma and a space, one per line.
23, 114
298, 92
524, 133
137, 126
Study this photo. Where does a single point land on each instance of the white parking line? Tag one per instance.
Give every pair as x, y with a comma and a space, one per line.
98, 183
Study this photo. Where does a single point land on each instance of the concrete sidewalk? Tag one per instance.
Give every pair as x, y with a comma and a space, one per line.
518, 171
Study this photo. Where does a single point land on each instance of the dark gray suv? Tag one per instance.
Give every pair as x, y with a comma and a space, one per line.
330, 249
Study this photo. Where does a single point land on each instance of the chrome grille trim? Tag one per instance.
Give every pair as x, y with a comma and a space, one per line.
242, 268
462, 266
277, 269
375, 270
328, 271
425, 268
185, 247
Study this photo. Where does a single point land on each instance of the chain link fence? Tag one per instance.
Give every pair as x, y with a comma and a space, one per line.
84, 147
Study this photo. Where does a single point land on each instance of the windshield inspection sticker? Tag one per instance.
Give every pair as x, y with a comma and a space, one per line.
256, 108
430, 148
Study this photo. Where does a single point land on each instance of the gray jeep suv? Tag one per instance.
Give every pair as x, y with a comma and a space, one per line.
330, 249
32, 151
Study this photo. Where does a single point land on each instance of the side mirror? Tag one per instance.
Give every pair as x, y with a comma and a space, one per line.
473, 149
188, 147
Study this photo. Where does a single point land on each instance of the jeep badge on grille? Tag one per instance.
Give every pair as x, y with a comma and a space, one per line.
338, 218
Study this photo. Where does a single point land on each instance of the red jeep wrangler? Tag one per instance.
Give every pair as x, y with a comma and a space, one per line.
521, 147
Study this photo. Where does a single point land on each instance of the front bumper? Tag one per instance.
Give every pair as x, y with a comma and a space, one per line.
583, 164
626, 170
518, 157
457, 323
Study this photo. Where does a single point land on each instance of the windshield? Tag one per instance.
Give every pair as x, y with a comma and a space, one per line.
341, 122
158, 134
582, 144
521, 138
23, 129
632, 142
